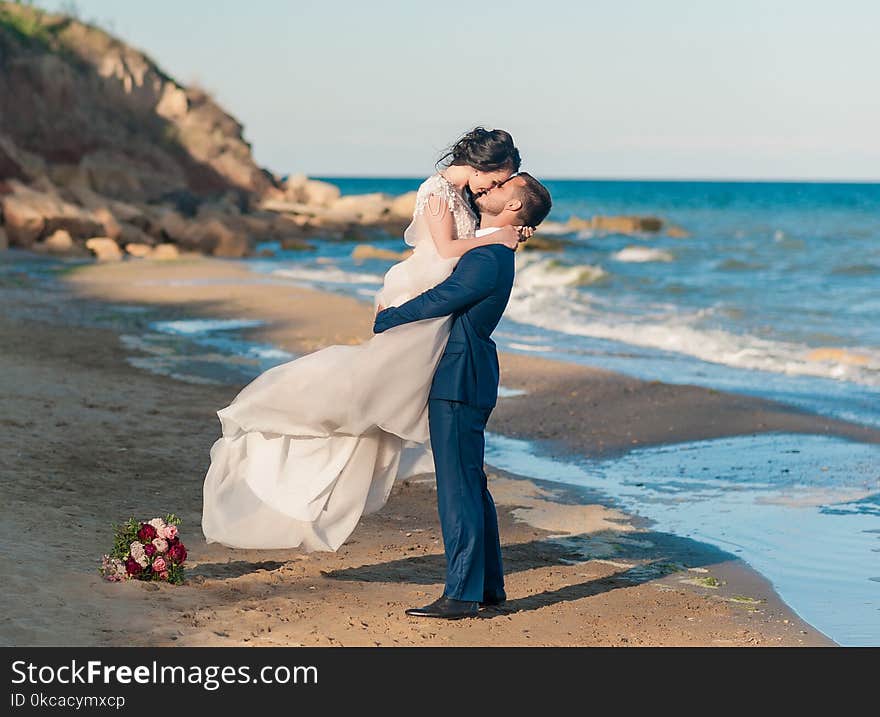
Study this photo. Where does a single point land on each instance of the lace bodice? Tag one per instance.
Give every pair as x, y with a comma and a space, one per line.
438, 185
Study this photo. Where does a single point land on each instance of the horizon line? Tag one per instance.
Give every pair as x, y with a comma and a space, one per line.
634, 178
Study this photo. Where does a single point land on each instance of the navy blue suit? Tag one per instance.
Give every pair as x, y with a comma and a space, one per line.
463, 393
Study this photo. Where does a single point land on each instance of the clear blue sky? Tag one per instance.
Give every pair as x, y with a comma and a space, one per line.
630, 88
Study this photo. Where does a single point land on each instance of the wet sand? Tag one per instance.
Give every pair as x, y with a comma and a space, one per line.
88, 439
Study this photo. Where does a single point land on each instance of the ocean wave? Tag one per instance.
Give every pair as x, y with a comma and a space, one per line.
642, 254
564, 310
191, 327
536, 271
329, 274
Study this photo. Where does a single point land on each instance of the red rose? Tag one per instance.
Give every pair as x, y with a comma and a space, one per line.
146, 533
132, 567
150, 549
177, 553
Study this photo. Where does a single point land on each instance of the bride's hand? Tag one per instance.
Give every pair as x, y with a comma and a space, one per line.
526, 232
508, 235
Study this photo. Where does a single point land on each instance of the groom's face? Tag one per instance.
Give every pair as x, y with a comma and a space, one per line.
504, 196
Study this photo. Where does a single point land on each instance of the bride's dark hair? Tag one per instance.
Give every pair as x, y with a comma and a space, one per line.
487, 150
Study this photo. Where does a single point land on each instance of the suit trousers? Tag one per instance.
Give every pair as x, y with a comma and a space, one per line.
467, 512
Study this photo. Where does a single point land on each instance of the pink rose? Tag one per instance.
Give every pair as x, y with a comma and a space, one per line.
170, 532
159, 564
160, 544
163, 575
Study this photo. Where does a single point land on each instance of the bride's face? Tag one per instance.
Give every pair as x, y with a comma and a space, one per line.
481, 182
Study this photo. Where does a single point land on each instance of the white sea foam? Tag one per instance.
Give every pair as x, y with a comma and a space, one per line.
642, 254
666, 327
536, 270
329, 274
529, 347
191, 327
554, 229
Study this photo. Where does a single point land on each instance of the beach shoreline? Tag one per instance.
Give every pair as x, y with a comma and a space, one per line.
164, 427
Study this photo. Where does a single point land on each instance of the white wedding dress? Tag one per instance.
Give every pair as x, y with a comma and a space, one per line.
312, 444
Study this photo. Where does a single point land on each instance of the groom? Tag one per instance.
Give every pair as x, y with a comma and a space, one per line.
464, 392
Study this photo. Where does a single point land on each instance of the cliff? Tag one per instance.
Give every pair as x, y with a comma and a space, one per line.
83, 108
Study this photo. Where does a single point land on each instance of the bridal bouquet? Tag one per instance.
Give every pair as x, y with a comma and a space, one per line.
146, 551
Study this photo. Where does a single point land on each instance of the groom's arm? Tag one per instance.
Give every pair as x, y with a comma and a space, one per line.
472, 279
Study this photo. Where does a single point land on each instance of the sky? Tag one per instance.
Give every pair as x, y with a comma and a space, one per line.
676, 89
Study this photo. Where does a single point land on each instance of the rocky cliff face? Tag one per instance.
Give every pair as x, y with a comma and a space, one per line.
82, 108
103, 154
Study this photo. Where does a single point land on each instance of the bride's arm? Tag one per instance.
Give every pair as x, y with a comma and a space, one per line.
441, 224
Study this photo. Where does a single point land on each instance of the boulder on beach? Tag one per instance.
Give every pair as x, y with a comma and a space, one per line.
30, 214
146, 251
60, 242
368, 251
164, 252
138, 250
214, 237
300, 189
365, 208
104, 248
403, 206
131, 234
172, 224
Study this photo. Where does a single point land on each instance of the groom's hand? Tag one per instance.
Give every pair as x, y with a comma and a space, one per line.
378, 322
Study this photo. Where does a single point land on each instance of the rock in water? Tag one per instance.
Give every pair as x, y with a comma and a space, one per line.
617, 224
299, 188
368, 251
403, 206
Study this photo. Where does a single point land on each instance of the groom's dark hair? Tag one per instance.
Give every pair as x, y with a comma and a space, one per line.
535, 200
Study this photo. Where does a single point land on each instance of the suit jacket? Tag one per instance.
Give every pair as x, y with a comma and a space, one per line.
476, 294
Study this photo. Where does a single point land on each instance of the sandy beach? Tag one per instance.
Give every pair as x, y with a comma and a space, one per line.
89, 439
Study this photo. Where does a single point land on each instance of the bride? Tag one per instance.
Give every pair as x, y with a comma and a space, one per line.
312, 444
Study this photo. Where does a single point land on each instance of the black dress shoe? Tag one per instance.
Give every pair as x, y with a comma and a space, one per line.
490, 600
447, 608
